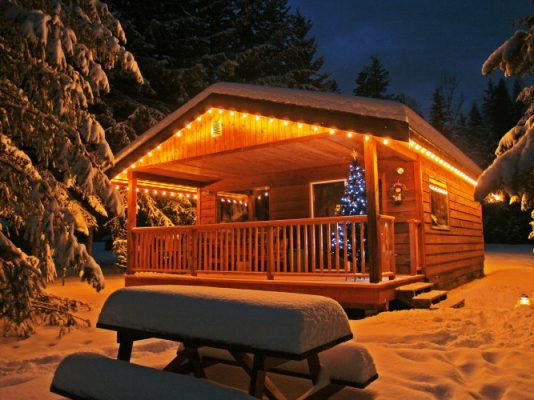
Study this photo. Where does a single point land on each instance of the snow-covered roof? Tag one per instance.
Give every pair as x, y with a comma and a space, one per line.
374, 116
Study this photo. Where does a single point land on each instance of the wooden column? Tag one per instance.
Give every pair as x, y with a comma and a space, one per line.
371, 187
418, 181
132, 218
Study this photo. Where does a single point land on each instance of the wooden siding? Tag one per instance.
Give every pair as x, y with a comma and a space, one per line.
455, 255
238, 133
288, 202
208, 208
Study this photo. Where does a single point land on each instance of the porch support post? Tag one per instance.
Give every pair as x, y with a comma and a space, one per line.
132, 218
371, 186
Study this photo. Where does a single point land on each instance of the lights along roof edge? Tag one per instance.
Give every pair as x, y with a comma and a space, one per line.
364, 115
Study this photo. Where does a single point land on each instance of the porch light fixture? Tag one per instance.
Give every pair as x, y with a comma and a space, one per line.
216, 128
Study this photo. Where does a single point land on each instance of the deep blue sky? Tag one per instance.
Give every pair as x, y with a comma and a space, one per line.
416, 40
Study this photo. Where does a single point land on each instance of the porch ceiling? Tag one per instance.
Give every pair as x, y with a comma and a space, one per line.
272, 159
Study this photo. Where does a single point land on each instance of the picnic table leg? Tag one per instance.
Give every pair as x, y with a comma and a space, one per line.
125, 347
271, 391
194, 357
257, 377
314, 366
322, 388
179, 364
187, 360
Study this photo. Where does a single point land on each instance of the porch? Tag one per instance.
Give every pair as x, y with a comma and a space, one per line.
326, 256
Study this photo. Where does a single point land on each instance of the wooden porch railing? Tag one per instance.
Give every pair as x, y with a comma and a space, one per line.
318, 246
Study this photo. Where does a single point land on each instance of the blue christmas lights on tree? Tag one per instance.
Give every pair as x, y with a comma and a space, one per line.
352, 202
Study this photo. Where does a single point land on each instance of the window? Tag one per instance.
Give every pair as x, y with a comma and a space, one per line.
325, 198
439, 204
261, 204
232, 207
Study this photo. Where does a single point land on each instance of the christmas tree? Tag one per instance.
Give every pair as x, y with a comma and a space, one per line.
352, 202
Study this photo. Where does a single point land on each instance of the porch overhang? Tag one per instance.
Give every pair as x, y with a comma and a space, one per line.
380, 118
241, 169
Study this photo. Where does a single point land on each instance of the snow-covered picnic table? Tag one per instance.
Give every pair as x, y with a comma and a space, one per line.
261, 330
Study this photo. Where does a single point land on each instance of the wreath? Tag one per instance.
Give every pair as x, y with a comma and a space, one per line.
398, 192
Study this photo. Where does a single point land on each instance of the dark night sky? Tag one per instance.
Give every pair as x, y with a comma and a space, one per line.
416, 40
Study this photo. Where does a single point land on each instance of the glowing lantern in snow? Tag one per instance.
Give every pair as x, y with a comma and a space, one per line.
524, 300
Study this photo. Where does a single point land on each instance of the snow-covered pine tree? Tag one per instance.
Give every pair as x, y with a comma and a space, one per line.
513, 169
53, 59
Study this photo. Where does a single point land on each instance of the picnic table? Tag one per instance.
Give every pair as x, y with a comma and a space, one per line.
295, 334
261, 330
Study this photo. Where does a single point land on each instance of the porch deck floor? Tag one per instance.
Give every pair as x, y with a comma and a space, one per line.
349, 292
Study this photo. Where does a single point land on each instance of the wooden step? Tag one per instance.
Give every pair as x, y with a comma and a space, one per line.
415, 287
426, 299
406, 293
451, 302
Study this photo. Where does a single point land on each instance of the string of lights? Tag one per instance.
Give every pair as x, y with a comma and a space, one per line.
215, 113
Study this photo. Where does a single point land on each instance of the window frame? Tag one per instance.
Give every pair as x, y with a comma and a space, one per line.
311, 185
440, 184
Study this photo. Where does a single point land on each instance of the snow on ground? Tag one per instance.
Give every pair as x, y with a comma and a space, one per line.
483, 351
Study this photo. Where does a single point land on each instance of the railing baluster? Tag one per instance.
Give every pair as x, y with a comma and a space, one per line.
362, 248
346, 247
291, 250
313, 249
355, 247
249, 245
329, 247
284, 248
321, 245
299, 269
306, 250
337, 247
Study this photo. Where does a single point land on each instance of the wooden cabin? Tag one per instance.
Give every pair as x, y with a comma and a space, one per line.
266, 168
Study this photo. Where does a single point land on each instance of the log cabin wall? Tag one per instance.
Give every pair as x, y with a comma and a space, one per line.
402, 212
292, 199
454, 255
208, 210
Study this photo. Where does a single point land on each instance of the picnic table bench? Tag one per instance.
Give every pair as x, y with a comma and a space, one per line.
261, 332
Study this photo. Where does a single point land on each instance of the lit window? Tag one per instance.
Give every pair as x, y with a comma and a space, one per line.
439, 204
